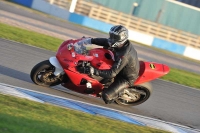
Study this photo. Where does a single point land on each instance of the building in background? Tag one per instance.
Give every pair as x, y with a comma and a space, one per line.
166, 12
195, 3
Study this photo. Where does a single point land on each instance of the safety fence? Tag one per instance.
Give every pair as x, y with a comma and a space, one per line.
61, 3
133, 23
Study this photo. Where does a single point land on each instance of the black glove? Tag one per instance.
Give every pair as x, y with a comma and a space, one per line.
87, 70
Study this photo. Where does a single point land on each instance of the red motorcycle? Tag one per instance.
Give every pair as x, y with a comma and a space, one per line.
62, 69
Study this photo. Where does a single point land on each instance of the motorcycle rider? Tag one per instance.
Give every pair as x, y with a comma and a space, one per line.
126, 65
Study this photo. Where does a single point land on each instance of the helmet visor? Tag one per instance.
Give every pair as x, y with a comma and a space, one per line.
113, 43
113, 38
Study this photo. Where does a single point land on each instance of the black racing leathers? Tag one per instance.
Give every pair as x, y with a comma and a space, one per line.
126, 63
125, 68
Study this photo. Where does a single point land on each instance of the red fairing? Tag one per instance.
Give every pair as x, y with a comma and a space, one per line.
150, 71
69, 60
64, 56
102, 59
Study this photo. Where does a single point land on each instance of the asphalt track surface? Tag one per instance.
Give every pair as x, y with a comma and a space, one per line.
169, 102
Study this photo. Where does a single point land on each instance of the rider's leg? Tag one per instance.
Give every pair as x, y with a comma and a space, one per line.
112, 92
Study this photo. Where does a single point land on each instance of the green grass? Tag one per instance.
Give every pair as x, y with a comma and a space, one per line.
23, 116
183, 77
29, 37
51, 43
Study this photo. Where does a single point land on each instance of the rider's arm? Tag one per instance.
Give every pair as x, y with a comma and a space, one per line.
100, 41
116, 68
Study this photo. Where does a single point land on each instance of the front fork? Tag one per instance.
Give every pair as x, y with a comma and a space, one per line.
58, 68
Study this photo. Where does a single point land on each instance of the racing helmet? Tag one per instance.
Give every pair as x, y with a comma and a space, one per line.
118, 35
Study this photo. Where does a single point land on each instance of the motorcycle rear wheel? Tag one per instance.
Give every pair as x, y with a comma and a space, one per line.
135, 95
42, 74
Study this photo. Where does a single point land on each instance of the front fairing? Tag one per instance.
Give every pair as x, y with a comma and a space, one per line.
69, 53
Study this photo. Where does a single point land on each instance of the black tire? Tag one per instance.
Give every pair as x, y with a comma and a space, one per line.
42, 74
143, 94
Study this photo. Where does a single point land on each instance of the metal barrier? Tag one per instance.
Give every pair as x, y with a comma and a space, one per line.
114, 17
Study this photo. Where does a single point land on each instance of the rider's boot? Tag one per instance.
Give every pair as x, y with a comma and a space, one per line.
107, 99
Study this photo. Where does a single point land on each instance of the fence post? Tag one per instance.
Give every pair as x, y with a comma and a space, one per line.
73, 6
99, 11
91, 12
51, 1
108, 17
119, 18
128, 21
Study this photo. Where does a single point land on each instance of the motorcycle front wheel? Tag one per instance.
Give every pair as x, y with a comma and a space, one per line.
136, 95
43, 74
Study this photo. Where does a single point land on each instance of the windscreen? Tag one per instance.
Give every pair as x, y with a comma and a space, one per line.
82, 49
